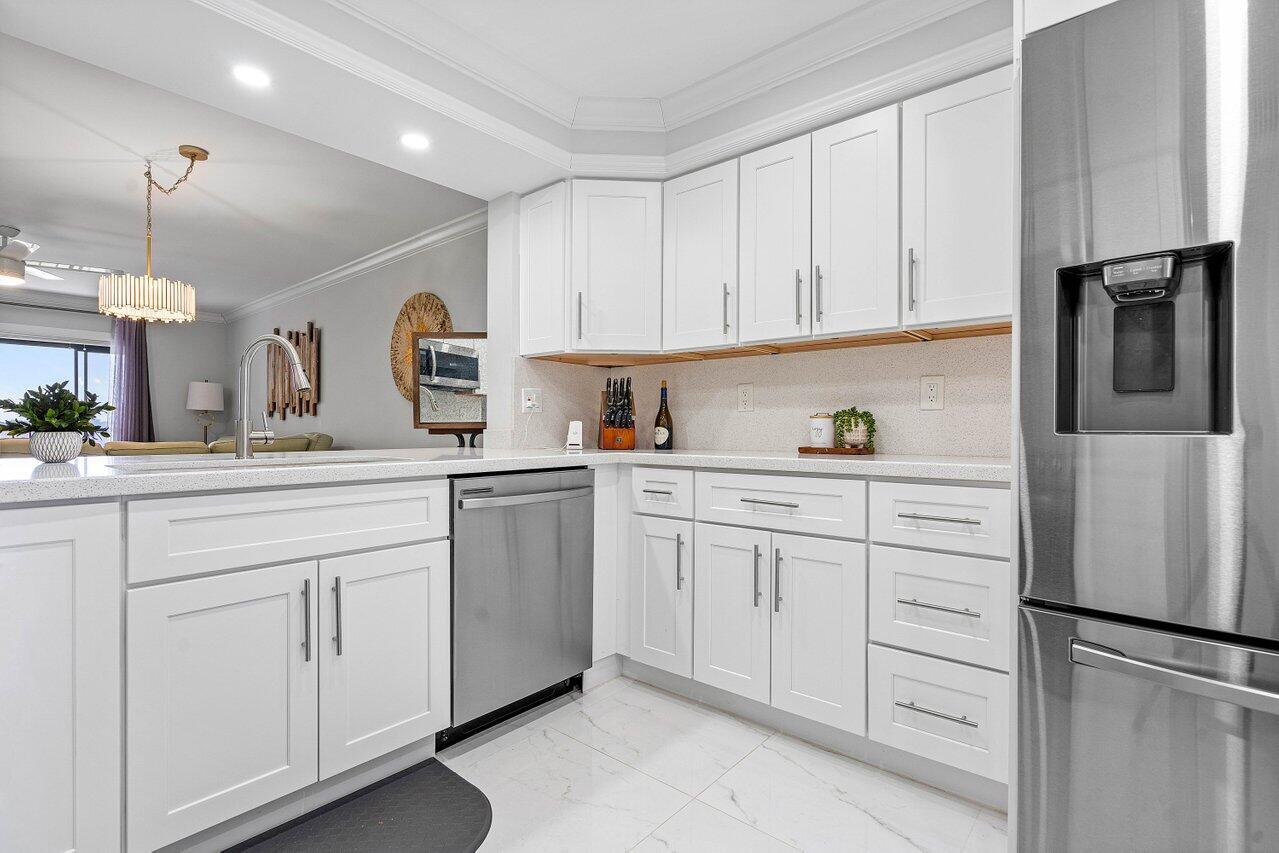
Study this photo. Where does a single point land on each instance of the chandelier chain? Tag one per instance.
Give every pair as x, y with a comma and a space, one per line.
152, 182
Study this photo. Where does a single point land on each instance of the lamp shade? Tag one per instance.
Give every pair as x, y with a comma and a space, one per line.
204, 396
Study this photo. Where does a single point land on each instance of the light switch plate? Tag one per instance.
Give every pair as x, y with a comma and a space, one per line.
932, 393
746, 397
531, 400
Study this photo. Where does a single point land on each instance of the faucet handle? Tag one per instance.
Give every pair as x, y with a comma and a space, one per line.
266, 435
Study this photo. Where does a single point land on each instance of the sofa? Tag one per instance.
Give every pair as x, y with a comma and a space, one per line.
300, 443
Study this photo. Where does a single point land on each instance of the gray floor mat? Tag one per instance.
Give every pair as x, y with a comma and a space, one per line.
427, 807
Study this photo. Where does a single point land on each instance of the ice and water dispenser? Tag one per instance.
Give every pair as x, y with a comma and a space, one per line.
1144, 343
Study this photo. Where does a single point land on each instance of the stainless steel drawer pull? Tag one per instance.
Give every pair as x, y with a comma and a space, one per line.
757, 556
941, 715
1110, 660
763, 502
679, 562
306, 618
919, 516
962, 611
777, 580
516, 500
337, 611
666, 492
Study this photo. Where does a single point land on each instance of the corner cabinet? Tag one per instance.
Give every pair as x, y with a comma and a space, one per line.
957, 202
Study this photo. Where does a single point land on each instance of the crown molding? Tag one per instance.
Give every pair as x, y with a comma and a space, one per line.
285, 30
643, 115
620, 166
454, 229
27, 298
967, 60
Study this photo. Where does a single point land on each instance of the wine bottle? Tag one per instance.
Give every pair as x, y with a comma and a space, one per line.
663, 426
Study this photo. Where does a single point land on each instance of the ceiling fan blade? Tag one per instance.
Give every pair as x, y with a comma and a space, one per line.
17, 249
39, 273
50, 265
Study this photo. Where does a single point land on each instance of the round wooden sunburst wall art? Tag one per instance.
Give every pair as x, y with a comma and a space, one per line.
422, 312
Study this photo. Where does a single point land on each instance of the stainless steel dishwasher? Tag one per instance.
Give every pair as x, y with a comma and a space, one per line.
523, 561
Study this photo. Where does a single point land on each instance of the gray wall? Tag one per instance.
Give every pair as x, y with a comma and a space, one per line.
359, 404
177, 354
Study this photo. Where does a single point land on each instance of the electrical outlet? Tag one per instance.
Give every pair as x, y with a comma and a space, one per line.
746, 397
932, 392
531, 400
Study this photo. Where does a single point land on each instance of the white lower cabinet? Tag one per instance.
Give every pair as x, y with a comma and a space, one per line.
733, 595
60, 582
383, 683
819, 630
221, 698
661, 594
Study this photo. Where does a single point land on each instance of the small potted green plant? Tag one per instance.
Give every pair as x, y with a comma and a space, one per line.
855, 428
57, 421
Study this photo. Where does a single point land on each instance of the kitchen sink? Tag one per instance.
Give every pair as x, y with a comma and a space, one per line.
152, 465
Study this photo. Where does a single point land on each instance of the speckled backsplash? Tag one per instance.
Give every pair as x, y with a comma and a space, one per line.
976, 420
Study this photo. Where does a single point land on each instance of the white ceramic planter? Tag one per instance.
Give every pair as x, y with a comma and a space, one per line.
56, 446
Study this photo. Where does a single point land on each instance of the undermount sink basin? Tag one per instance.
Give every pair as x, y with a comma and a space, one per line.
152, 465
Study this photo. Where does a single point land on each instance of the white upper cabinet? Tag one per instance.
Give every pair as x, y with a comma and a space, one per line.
957, 201
776, 242
616, 266
855, 224
543, 270
699, 259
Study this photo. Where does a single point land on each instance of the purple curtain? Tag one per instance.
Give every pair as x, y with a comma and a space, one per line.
130, 382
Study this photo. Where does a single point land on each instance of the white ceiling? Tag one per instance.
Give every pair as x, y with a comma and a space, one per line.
267, 210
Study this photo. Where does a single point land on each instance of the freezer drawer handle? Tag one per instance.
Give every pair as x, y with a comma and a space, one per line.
962, 611
763, 502
941, 715
517, 500
919, 516
1110, 660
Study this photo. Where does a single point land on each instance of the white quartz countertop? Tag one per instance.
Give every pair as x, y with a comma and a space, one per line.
24, 480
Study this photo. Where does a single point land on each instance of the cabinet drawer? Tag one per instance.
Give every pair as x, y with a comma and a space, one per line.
824, 506
663, 491
942, 604
178, 537
949, 712
950, 518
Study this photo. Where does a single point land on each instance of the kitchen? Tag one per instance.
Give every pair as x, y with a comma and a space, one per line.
951, 547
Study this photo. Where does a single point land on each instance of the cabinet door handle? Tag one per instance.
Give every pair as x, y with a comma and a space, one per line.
941, 715
762, 502
817, 288
679, 566
726, 308
910, 276
962, 611
777, 580
306, 618
757, 556
799, 283
337, 610
919, 516
579, 315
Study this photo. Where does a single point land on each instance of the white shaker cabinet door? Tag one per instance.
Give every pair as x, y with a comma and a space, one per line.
775, 252
819, 630
662, 593
543, 270
616, 268
60, 583
222, 709
384, 663
732, 594
699, 259
855, 224
957, 202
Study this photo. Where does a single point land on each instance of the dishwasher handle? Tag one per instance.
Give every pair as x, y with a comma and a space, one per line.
533, 498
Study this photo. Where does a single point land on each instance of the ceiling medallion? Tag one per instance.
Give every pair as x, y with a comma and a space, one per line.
146, 297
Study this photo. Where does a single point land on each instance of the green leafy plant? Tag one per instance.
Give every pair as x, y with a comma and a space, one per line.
52, 408
847, 420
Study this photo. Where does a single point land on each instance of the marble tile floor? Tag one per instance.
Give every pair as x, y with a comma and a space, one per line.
629, 767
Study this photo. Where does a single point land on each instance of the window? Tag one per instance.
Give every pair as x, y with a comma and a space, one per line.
26, 364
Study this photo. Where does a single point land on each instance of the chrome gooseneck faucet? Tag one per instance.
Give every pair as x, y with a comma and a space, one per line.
245, 435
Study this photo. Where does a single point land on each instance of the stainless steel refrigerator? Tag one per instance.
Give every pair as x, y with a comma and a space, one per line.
1149, 618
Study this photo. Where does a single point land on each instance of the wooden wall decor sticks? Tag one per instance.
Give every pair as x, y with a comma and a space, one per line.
281, 398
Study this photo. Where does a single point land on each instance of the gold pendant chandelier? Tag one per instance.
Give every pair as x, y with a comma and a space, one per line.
145, 297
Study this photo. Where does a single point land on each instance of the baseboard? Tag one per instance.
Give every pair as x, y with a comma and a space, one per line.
292, 806
605, 669
961, 783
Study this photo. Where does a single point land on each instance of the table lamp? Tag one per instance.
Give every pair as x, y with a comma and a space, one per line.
204, 398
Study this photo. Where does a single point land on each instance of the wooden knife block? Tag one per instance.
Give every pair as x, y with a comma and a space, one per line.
615, 438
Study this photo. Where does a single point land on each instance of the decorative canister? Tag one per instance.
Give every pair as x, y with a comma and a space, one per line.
821, 430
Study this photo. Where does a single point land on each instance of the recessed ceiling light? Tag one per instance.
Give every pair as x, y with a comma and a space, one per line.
415, 142
254, 78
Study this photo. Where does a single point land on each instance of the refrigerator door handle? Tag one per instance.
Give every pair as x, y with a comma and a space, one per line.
1110, 660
